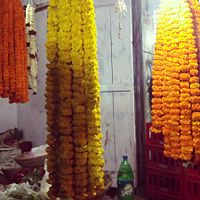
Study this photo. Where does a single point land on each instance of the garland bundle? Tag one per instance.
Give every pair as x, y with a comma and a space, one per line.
31, 48
13, 56
176, 92
75, 153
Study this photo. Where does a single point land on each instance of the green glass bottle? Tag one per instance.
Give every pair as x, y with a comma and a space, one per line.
125, 180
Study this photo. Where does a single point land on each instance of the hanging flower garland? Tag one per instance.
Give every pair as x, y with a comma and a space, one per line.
92, 93
11, 46
121, 10
75, 160
79, 101
13, 55
5, 55
31, 47
194, 73
173, 109
66, 147
52, 100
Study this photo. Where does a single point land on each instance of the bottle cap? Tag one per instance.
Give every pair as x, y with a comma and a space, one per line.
125, 158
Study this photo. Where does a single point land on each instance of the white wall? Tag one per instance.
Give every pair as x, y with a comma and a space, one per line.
8, 115
32, 116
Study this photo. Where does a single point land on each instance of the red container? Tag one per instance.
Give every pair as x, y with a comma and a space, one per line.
154, 195
151, 138
155, 158
165, 182
195, 171
192, 186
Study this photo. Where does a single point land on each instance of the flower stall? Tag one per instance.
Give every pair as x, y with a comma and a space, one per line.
62, 83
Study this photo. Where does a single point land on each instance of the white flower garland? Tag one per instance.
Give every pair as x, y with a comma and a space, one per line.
121, 9
31, 47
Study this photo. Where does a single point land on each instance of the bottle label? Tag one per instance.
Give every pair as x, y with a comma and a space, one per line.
125, 191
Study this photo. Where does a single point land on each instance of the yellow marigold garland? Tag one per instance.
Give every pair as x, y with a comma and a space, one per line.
51, 100
92, 91
73, 101
79, 102
177, 87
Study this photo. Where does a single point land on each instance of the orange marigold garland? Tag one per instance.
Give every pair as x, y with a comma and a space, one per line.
195, 90
177, 87
5, 49
24, 75
13, 83
21, 91
1, 51
160, 109
11, 45
172, 94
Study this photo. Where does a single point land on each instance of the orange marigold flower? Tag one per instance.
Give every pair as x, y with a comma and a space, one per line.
185, 112
184, 77
195, 99
194, 85
157, 94
184, 85
186, 133
196, 116
194, 79
185, 105
185, 90
185, 68
196, 107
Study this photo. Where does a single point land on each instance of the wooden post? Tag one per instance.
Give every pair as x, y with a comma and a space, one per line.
139, 93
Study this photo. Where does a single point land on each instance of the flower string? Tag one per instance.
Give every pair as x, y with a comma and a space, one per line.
75, 153
79, 101
52, 96
175, 110
66, 147
11, 44
92, 93
13, 83
5, 49
194, 81
31, 47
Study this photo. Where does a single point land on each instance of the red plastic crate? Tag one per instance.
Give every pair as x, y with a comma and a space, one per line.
152, 138
165, 182
155, 158
192, 184
195, 171
154, 195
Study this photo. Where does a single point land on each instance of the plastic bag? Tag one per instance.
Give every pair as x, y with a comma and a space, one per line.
44, 185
